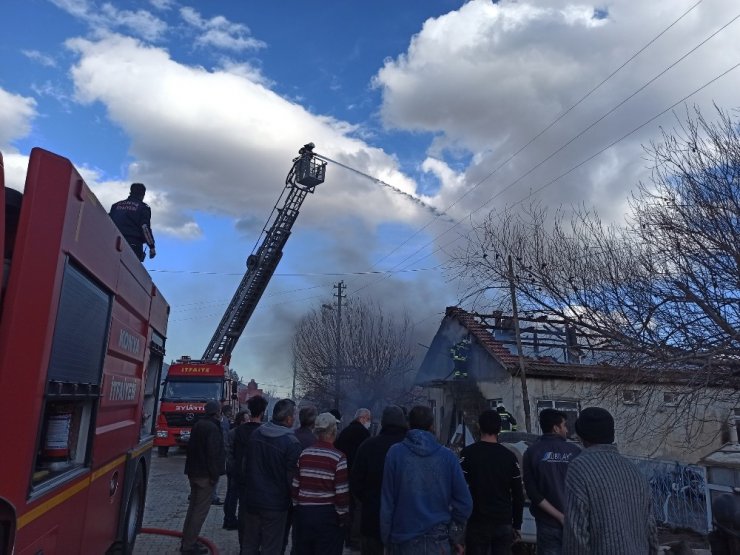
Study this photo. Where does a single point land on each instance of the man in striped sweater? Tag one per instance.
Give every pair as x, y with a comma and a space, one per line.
321, 493
608, 504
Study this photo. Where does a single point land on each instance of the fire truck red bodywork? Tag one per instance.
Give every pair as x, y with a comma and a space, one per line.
179, 411
74, 288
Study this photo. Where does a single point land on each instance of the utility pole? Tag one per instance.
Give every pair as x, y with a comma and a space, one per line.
520, 353
338, 362
292, 393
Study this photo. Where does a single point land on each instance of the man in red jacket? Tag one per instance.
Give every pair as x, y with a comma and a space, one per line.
321, 493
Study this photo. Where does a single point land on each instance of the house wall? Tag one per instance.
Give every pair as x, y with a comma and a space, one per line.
649, 427
646, 428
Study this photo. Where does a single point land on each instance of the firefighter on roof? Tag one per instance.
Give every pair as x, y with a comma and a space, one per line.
133, 217
459, 353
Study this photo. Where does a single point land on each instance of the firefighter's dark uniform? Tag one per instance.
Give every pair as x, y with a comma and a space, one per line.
508, 422
133, 219
459, 353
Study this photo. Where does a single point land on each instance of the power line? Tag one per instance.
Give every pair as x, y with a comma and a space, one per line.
583, 162
300, 274
496, 195
544, 130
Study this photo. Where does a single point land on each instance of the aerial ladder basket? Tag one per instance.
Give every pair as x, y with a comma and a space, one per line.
306, 173
310, 171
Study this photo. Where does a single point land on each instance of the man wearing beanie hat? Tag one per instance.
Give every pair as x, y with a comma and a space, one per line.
205, 462
366, 477
133, 217
608, 504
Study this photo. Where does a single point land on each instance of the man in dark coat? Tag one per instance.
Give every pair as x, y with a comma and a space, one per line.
544, 466
348, 442
205, 462
366, 478
271, 459
353, 435
133, 217
257, 406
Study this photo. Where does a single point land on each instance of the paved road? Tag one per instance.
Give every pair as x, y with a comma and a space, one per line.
166, 505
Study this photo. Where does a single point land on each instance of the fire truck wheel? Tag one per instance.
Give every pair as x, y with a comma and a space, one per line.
162, 451
134, 511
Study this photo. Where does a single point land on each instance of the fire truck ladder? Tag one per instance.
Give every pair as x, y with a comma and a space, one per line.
306, 173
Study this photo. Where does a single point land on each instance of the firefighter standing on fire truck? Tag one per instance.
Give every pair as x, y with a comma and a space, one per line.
133, 217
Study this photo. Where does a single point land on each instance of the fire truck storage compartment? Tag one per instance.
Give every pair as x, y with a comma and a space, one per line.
151, 385
73, 379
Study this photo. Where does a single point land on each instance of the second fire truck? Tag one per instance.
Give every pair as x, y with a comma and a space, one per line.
190, 383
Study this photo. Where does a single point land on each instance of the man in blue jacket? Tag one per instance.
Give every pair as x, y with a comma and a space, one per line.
270, 463
545, 464
425, 500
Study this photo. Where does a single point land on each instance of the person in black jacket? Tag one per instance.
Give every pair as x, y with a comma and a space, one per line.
231, 501
492, 472
545, 464
133, 217
256, 406
205, 462
366, 478
348, 441
270, 462
353, 435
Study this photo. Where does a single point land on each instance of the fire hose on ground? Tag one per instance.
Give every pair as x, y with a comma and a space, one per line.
178, 534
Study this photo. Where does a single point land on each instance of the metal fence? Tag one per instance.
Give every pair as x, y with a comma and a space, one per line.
679, 493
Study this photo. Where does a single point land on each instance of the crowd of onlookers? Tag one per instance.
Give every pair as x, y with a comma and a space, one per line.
401, 492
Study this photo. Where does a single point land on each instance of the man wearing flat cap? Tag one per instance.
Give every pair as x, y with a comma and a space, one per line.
205, 462
608, 505
321, 493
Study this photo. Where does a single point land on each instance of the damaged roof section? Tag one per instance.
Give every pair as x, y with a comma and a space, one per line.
551, 349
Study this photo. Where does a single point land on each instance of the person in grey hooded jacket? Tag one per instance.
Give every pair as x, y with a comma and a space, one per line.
270, 462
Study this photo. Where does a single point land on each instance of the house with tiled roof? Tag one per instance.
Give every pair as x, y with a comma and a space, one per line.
473, 363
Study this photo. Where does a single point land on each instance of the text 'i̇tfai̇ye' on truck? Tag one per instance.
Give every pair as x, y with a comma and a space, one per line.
82, 336
191, 383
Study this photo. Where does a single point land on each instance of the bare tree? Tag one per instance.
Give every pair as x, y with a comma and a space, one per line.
375, 366
660, 292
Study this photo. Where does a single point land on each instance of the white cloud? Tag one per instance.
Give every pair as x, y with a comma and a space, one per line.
168, 218
219, 32
489, 77
16, 114
106, 17
52, 90
247, 71
220, 142
162, 4
39, 57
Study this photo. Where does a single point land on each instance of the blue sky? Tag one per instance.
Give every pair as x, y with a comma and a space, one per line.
207, 102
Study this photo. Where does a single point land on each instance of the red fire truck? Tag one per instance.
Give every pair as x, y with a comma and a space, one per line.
190, 383
82, 336
186, 389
